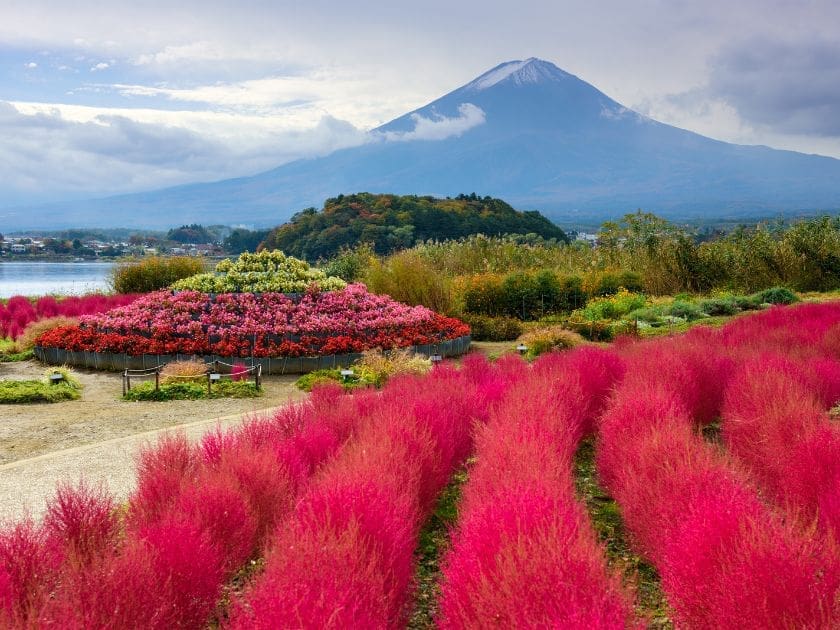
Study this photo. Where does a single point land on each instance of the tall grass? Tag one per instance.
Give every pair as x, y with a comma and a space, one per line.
153, 272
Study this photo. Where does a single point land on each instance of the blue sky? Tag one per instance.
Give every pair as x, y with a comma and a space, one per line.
103, 98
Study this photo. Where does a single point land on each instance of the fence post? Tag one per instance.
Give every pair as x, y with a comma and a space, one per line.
157, 380
128, 381
123, 383
208, 385
258, 376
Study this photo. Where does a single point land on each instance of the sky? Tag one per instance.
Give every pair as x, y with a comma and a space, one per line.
100, 98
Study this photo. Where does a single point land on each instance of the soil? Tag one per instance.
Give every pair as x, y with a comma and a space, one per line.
36, 429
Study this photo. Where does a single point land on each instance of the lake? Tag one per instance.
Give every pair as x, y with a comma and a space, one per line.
64, 278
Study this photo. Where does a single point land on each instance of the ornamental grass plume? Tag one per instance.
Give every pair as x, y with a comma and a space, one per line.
183, 371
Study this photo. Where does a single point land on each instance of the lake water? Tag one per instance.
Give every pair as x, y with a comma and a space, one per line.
64, 278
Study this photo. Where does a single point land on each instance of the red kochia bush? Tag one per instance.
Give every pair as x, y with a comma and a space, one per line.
726, 561
345, 558
524, 553
197, 515
20, 311
776, 424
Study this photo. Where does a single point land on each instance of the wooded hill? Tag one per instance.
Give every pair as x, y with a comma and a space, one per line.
392, 222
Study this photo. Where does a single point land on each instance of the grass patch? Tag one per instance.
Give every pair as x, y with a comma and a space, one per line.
606, 519
192, 391
433, 543
43, 391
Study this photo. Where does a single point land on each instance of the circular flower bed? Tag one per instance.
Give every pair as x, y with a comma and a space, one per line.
260, 325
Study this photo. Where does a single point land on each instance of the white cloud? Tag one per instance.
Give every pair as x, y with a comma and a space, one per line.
50, 152
100, 66
441, 127
31, 65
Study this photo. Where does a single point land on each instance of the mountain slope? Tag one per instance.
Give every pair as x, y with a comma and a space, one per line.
525, 131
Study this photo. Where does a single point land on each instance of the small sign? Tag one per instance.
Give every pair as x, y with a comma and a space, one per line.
435, 358
56, 376
522, 348
347, 373
215, 376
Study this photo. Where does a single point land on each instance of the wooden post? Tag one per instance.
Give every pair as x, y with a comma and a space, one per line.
128, 380
208, 385
123, 383
157, 380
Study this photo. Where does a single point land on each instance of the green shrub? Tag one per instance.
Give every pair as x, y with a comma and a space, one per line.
719, 306
593, 330
776, 295
153, 273
548, 339
746, 302
572, 296
482, 294
31, 391
486, 328
311, 379
189, 390
649, 314
605, 283
613, 307
351, 264
684, 310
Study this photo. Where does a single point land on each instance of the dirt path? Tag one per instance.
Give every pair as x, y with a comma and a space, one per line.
30, 430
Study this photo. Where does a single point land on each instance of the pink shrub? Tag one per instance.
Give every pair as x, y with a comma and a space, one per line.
239, 372
726, 561
345, 557
775, 423
83, 520
161, 471
20, 311
523, 553
29, 566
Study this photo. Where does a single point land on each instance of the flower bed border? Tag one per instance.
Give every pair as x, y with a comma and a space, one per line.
270, 365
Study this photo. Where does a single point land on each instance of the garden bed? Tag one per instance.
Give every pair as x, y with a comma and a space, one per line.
270, 365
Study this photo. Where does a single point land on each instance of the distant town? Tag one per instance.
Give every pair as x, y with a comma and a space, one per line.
90, 245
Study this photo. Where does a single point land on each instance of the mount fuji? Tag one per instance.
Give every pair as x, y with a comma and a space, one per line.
526, 131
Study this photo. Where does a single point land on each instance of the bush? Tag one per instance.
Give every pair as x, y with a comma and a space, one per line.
613, 307
607, 283
593, 330
719, 306
776, 295
183, 372
373, 369
409, 278
486, 328
684, 310
265, 272
34, 330
549, 339
192, 391
31, 391
153, 273
482, 294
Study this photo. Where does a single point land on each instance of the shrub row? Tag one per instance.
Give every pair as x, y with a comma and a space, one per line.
198, 514
775, 421
725, 559
345, 557
524, 552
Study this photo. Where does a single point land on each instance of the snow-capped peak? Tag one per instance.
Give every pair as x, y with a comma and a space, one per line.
531, 70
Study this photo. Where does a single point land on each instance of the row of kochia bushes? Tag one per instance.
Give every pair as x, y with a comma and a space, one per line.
741, 537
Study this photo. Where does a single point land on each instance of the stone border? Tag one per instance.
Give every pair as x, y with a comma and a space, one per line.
270, 365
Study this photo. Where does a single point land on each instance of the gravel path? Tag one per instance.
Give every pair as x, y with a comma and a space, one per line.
98, 436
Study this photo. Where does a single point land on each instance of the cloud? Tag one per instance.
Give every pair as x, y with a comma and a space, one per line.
31, 65
793, 87
100, 66
61, 152
441, 127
